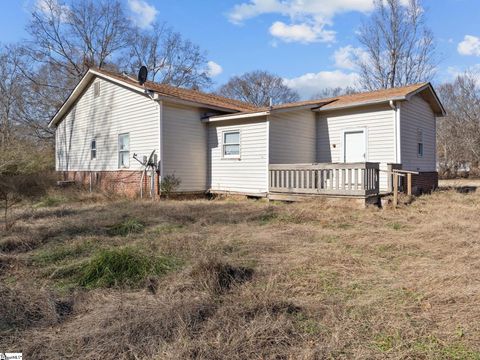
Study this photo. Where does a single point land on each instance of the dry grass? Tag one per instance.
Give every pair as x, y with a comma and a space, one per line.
257, 280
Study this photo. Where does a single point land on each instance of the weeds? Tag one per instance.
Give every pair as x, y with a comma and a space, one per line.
256, 280
50, 201
124, 267
127, 227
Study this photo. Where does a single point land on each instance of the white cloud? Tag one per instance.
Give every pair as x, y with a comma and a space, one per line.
347, 57
214, 69
311, 84
52, 7
469, 46
303, 32
308, 18
452, 72
144, 13
296, 9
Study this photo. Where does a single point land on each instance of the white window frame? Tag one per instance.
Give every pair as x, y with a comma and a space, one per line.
123, 151
420, 144
354, 130
93, 150
234, 157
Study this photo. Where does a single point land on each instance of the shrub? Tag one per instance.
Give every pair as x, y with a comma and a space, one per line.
50, 201
169, 184
124, 267
129, 226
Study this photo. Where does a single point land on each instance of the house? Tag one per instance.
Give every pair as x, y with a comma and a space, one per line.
342, 146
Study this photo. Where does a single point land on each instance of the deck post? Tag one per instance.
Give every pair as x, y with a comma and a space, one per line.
395, 189
409, 184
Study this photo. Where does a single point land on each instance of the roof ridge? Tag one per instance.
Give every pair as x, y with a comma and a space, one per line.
153, 85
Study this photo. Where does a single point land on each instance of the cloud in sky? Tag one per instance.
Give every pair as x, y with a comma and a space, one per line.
54, 8
214, 69
144, 14
347, 57
308, 18
469, 46
303, 33
311, 84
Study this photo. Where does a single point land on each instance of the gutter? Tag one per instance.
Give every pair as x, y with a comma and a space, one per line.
236, 116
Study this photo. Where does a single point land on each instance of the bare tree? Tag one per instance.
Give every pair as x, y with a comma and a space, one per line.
400, 48
169, 58
458, 134
259, 88
334, 92
12, 93
73, 37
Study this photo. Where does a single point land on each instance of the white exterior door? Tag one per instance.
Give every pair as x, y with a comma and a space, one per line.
354, 146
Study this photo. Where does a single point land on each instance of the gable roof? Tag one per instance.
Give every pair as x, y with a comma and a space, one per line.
183, 94
238, 109
348, 101
163, 91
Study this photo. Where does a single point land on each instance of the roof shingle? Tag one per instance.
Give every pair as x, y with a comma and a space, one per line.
184, 94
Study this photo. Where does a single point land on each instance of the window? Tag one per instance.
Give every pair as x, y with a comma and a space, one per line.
96, 89
420, 150
123, 150
419, 143
231, 144
93, 149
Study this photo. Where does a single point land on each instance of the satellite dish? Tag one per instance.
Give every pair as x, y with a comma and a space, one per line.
142, 75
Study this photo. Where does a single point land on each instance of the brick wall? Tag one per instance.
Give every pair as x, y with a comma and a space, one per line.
125, 183
424, 182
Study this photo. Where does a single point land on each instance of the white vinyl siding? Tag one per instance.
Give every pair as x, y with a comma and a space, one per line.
292, 137
247, 174
417, 117
116, 110
185, 146
378, 122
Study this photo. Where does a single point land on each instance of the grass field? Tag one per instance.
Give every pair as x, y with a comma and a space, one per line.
86, 277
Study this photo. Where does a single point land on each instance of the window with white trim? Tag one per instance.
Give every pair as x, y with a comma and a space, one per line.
93, 149
419, 143
123, 150
231, 144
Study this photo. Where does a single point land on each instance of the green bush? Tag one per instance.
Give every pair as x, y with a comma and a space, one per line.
129, 226
169, 184
124, 267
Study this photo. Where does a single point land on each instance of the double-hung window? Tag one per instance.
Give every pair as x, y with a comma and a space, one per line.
419, 143
123, 150
231, 144
93, 149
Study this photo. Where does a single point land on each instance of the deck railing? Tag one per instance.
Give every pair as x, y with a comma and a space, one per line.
356, 179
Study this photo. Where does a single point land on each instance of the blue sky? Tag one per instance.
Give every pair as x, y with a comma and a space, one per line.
310, 43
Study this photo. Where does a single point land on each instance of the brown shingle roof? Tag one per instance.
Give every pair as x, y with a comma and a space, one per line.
372, 96
184, 94
358, 98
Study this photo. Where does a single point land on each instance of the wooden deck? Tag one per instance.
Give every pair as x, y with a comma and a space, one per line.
356, 180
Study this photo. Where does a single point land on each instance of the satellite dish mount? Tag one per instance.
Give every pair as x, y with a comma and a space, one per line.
142, 75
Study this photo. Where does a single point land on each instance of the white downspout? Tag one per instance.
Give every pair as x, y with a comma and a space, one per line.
398, 143
160, 135
268, 155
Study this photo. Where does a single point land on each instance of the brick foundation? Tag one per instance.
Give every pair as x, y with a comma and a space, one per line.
122, 182
424, 182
